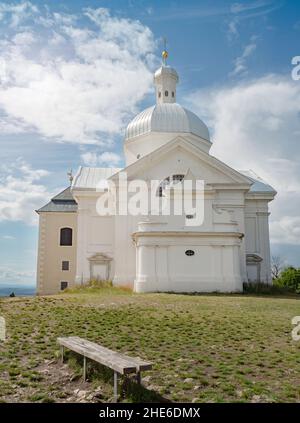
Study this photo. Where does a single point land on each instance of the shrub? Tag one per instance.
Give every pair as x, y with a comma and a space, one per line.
266, 289
289, 278
99, 283
95, 286
90, 285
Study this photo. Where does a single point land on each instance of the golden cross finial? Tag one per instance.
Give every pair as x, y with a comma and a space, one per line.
165, 53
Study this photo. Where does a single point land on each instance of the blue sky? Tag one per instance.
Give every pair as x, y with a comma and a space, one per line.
73, 74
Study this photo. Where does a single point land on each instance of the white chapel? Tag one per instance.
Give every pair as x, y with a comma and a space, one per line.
157, 252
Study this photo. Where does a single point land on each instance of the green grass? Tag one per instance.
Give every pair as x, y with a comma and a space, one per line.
216, 348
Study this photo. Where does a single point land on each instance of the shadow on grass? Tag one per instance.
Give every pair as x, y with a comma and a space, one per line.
133, 392
258, 294
129, 389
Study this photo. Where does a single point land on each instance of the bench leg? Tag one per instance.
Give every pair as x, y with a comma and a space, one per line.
62, 350
84, 368
138, 378
115, 386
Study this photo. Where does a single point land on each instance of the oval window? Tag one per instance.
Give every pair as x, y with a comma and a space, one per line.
189, 252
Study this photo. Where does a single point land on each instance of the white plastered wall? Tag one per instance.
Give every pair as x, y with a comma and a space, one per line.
95, 235
161, 263
257, 237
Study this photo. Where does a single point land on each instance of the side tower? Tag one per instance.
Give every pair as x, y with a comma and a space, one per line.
57, 244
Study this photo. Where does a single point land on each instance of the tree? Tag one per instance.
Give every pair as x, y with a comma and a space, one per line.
290, 277
276, 266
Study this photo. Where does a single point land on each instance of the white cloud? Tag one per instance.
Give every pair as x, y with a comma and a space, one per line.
240, 63
24, 39
21, 193
246, 7
90, 159
73, 82
149, 10
7, 274
8, 237
240, 12
64, 18
12, 126
233, 28
286, 230
255, 125
107, 158
14, 14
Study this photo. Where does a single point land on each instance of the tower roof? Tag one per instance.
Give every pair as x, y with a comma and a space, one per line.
62, 202
167, 115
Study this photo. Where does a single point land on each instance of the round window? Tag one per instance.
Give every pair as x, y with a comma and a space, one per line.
189, 252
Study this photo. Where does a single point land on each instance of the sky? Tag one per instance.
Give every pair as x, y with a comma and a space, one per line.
74, 73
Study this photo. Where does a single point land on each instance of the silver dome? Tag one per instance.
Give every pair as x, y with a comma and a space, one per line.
166, 117
166, 70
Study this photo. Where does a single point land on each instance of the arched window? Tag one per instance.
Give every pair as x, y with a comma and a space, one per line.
66, 236
174, 179
159, 94
173, 95
166, 93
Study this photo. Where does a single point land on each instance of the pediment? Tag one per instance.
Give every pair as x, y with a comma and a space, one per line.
99, 257
180, 155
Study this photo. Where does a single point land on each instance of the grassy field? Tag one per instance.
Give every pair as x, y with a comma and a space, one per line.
205, 348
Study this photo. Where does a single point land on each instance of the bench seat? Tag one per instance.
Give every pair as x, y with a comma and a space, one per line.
119, 363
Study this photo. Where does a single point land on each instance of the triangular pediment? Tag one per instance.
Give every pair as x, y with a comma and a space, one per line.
180, 155
99, 257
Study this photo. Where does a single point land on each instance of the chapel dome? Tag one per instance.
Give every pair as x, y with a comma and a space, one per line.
167, 117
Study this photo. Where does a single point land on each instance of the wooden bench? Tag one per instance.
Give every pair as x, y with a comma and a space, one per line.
121, 364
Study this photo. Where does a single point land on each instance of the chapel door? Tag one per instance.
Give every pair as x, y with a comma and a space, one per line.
99, 271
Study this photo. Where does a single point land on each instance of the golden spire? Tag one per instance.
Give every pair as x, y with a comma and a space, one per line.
164, 53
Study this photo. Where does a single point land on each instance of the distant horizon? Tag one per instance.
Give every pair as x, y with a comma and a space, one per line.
17, 285
19, 291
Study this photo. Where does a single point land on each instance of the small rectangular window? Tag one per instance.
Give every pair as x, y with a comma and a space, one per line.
63, 286
65, 265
